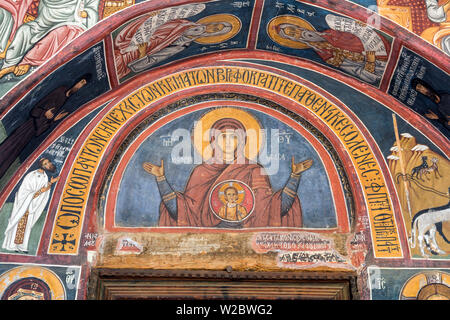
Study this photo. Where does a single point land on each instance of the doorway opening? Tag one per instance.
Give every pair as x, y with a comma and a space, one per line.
131, 284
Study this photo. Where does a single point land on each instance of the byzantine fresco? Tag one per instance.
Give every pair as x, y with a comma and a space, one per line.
374, 114
424, 191
418, 168
166, 180
216, 74
246, 188
428, 188
37, 115
32, 31
409, 283
427, 18
335, 41
38, 282
422, 86
24, 212
173, 33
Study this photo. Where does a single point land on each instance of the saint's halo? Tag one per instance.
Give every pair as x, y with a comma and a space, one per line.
273, 27
218, 18
201, 131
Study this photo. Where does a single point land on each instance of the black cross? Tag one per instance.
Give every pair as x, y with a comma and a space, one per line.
64, 241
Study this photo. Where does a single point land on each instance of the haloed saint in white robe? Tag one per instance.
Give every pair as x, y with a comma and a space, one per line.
23, 203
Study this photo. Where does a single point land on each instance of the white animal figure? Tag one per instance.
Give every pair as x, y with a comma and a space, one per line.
424, 226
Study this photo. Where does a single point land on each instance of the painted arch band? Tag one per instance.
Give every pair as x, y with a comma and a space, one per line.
79, 182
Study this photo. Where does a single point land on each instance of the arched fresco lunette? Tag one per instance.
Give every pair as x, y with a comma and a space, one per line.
347, 107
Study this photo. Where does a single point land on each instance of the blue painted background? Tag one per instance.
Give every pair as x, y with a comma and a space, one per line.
393, 281
139, 199
60, 271
314, 15
434, 76
239, 41
5, 212
376, 117
63, 76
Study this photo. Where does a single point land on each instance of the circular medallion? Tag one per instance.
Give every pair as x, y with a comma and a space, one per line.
27, 289
32, 283
433, 285
232, 201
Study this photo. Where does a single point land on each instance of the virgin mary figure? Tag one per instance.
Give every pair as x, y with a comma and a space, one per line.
229, 160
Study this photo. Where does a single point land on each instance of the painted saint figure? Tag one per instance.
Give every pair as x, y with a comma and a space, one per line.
339, 49
29, 203
160, 35
232, 209
441, 99
44, 114
57, 23
347, 44
133, 53
229, 162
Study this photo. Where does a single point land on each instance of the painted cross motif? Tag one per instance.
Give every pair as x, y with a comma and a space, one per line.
63, 242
